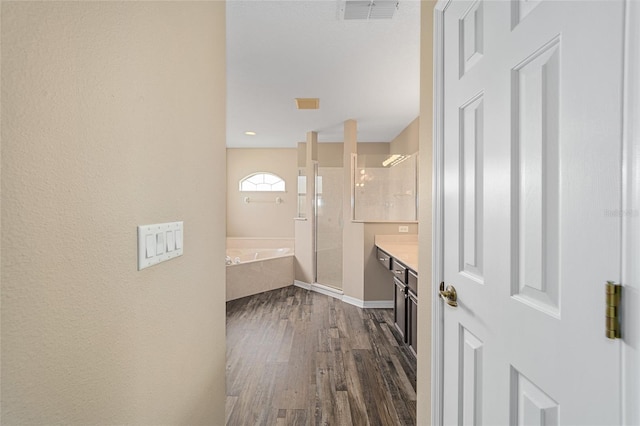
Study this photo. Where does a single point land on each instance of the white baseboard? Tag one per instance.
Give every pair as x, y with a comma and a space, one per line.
371, 304
379, 304
328, 291
302, 284
338, 294
353, 301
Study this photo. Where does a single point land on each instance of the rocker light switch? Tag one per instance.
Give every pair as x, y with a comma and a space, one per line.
158, 243
150, 243
179, 238
171, 242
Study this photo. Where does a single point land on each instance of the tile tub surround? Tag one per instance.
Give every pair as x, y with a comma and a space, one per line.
248, 243
401, 247
256, 254
257, 276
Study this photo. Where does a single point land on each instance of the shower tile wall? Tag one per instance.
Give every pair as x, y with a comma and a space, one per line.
386, 193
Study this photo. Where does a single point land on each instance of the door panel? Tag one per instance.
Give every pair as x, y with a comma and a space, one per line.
530, 405
535, 170
471, 171
470, 391
532, 130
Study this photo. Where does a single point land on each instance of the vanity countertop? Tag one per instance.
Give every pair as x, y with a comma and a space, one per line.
404, 248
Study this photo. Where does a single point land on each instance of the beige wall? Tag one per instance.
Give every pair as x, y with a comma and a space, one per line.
424, 214
353, 233
331, 154
373, 148
304, 261
407, 142
113, 115
263, 218
304, 228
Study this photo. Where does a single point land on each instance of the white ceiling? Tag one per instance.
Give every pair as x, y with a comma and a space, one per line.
281, 50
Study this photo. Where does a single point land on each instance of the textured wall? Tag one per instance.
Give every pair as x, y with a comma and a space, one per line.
424, 214
261, 219
113, 115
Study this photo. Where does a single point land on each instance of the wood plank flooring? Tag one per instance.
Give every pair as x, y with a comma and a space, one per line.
295, 357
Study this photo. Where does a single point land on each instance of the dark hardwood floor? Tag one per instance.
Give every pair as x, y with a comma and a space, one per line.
296, 357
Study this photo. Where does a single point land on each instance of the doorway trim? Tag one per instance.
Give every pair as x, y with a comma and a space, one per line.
630, 275
437, 311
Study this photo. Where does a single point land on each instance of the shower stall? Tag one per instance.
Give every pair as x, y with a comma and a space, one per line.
329, 224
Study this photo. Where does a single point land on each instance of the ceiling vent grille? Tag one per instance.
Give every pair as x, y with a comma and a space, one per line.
307, 103
350, 10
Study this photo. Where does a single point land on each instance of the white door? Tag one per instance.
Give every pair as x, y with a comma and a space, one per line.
532, 191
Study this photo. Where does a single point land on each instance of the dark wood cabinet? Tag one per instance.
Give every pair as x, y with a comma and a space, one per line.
400, 307
384, 258
399, 270
412, 281
405, 298
412, 320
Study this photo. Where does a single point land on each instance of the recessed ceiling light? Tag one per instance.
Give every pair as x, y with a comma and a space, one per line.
307, 103
250, 133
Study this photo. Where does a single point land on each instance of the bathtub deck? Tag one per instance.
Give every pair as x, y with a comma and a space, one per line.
303, 358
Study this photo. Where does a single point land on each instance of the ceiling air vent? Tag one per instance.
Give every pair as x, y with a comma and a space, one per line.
366, 9
307, 103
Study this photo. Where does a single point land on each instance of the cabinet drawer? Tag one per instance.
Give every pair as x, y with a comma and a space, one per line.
384, 258
412, 280
399, 270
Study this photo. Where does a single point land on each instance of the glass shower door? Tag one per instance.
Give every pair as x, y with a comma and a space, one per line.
329, 183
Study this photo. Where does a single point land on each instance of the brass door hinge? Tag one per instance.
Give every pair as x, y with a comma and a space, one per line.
614, 295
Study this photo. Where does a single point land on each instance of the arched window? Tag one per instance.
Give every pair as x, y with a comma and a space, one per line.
262, 181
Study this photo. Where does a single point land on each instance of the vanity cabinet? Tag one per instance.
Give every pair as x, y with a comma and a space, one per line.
400, 307
412, 319
399, 270
384, 258
405, 298
412, 310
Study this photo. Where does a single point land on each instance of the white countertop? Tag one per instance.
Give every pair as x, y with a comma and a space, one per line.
404, 248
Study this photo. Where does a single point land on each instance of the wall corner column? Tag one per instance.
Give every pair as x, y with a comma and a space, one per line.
352, 233
305, 230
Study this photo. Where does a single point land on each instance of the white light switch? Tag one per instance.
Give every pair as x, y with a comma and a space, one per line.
150, 243
171, 241
179, 238
158, 243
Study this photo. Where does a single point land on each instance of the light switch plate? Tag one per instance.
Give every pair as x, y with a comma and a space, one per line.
159, 233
